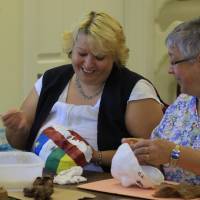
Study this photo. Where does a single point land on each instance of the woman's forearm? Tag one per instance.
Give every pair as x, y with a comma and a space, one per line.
17, 138
103, 157
189, 159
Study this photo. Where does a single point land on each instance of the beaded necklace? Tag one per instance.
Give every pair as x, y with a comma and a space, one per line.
78, 84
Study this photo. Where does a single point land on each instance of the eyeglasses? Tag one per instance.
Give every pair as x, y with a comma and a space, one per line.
183, 60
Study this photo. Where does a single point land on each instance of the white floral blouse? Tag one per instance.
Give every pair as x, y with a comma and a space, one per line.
181, 124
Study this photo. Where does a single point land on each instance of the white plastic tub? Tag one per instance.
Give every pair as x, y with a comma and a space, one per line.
19, 169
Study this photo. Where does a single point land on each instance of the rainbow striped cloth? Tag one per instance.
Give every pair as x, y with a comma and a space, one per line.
62, 149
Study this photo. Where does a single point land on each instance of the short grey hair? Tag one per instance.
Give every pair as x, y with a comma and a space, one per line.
186, 37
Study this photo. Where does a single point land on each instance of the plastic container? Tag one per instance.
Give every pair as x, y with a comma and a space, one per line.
19, 169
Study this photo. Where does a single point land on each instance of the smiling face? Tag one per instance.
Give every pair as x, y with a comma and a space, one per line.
89, 63
187, 73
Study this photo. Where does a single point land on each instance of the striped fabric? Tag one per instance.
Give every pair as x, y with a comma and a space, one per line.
62, 149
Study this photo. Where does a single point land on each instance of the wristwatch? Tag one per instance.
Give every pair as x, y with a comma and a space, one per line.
175, 155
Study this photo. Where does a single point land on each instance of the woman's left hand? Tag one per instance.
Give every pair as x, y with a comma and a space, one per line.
153, 152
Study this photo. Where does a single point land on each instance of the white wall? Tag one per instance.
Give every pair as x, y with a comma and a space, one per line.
139, 27
11, 41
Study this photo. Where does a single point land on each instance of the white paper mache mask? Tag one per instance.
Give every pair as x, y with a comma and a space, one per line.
126, 168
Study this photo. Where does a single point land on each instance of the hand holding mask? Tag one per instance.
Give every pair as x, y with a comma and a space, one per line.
126, 168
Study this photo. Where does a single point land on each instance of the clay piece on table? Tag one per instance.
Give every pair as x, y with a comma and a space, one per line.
42, 188
181, 190
3, 193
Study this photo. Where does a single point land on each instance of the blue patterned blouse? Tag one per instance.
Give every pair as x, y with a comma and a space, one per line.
181, 125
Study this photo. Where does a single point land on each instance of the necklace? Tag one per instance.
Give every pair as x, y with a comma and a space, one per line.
78, 84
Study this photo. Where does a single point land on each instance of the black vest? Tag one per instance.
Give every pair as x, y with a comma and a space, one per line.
111, 118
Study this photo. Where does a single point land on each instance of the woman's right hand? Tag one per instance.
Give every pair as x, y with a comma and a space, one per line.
18, 122
15, 120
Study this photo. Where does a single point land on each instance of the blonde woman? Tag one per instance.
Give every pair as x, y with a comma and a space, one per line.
95, 96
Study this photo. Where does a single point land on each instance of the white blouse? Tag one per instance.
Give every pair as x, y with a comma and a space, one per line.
83, 118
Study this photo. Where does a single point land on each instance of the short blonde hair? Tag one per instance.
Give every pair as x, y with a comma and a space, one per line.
106, 33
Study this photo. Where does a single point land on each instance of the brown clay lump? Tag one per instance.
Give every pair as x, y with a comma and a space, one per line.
42, 188
3, 194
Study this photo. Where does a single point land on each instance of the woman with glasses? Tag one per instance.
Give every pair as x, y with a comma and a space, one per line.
175, 142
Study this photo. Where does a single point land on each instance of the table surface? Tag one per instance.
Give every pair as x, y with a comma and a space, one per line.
94, 176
